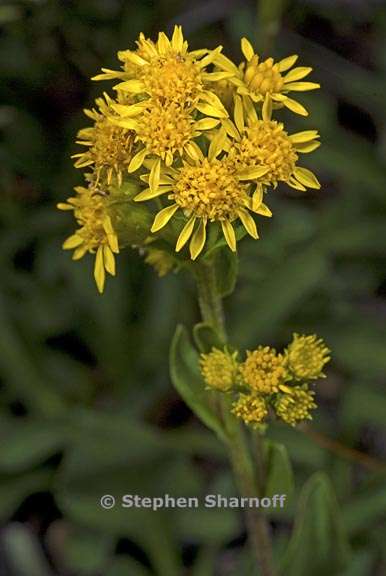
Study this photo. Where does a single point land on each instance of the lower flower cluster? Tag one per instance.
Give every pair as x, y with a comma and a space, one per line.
268, 383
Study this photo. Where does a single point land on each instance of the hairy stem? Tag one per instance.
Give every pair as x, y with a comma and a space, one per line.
239, 454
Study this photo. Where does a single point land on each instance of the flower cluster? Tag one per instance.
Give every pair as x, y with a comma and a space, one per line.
267, 381
196, 134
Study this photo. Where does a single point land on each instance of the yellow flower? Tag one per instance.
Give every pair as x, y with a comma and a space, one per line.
295, 406
251, 409
167, 72
306, 357
265, 143
163, 130
205, 189
110, 148
263, 370
268, 79
219, 369
95, 234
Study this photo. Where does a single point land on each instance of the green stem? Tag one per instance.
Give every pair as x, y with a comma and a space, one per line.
239, 454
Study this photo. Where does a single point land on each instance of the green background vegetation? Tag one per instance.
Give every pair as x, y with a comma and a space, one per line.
86, 402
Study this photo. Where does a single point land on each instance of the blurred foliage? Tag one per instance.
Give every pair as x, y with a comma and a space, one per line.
86, 403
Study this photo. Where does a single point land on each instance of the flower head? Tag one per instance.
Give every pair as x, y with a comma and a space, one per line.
306, 357
268, 80
95, 234
206, 189
219, 369
263, 370
109, 148
251, 409
265, 143
295, 406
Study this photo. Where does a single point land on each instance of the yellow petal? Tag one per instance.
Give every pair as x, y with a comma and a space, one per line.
127, 111
257, 197
198, 240
263, 210
133, 86
149, 194
239, 114
155, 176
177, 39
267, 108
225, 63
287, 63
295, 106
63, 206
109, 260
252, 173
247, 48
248, 223
137, 160
230, 128
186, 233
216, 76
134, 58
72, 242
229, 234
99, 270
217, 144
193, 151
206, 123
163, 217
306, 147
79, 253
210, 110
302, 86
297, 74
163, 43
304, 136
306, 177
295, 184
128, 123
250, 110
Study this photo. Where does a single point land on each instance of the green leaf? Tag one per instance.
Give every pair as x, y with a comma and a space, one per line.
24, 552
279, 473
226, 268
186, 377
318, 545
86, 551
125, 567
15, 488
206, 338
28, 442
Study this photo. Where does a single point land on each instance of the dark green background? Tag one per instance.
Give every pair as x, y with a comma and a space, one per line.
86, 403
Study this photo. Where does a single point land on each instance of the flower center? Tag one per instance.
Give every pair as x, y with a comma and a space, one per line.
172, 78
165, 129
209, 190
263, 370
264, 77
267, 143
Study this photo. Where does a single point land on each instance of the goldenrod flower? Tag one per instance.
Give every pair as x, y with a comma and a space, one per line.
166, 71
251, 409
219, 369
306, 357
205, 189
263, 370
110, 148
163, 130
266, 80
95, 234
295, 406
265, 143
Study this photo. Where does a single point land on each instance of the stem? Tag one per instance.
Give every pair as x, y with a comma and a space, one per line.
257, 525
